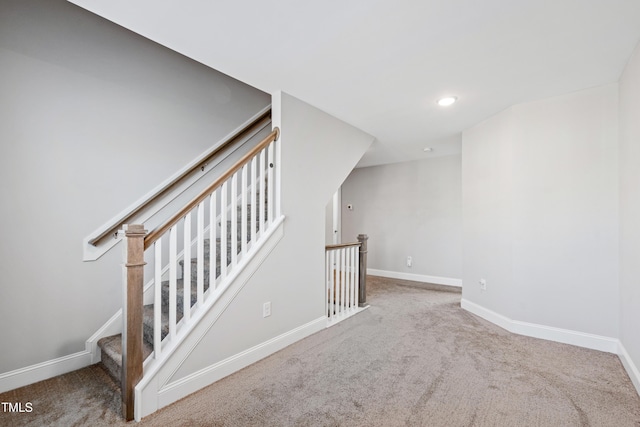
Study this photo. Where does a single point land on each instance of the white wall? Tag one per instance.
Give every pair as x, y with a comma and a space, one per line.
630, 211
318, 152
540, 212
487, 232
565, 211
92, 117
407, 209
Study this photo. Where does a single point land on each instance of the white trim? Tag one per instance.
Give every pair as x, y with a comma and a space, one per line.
159, 373
222, 297
449, 281
204, 377
52, 368
113, 326
332, 322
580, 339
629, 366
489, 315
566, 336
45, 370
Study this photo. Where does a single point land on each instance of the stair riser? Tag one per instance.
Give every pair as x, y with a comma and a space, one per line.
112, 368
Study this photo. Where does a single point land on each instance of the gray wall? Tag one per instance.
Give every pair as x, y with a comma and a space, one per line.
318, 152
92, 117
540, 212
487, 191
407, 209
630, 211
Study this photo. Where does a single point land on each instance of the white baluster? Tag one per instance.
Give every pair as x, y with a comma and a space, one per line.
343, 294
349, 283
327, 285
352, 273
234, 219
157, 300
186, 270
347, 279
342, 281
200, 255
243, 213
336, 279
223, 231
173, 279
327, 294
263, 192
213, 227
356, 263
254, 194
332, 287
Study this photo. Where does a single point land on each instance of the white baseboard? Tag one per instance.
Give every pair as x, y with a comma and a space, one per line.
196, 381
112, 327
45, 370
52, 368
489, 315
629, 366
416, 277
566, 336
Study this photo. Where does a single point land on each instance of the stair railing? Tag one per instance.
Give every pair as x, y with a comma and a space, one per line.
244, 198
111, 231
346, 277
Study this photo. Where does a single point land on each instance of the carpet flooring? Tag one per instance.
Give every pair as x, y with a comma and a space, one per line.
414, 358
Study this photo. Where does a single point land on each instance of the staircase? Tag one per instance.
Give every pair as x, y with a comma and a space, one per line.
227, 227
185, 279
111, 346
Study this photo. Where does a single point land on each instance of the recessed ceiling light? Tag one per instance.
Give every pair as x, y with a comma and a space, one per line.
428, 149
446, 101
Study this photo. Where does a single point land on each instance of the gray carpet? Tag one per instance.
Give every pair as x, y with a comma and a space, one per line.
413, 359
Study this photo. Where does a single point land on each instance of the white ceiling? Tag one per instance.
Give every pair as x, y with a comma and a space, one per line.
381, 65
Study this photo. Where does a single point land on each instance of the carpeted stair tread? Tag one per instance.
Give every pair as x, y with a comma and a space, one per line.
207, 243
147, 323
111, 348
180, 295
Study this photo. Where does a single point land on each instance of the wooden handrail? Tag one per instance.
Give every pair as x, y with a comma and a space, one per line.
162, 191
342, 245
158, 232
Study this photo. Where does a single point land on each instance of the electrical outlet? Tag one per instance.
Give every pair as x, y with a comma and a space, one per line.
483, 284
266, 309
409, 261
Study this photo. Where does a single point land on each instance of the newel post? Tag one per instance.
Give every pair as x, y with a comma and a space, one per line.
132, 313
362, 271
